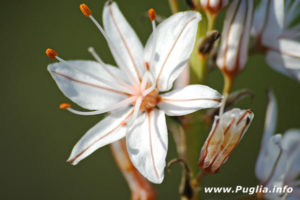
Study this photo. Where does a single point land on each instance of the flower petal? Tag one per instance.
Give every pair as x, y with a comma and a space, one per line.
268, 158
147, 145
80, 81
274, 22
284, 64
291, 143
106, 131
233, 52
173, 41
189, 99
270, 120
124, 44
290, 48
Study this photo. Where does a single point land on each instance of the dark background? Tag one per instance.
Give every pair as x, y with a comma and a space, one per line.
37, 137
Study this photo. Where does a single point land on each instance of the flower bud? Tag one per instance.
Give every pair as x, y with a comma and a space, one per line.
226, 133
233, 51
213, 6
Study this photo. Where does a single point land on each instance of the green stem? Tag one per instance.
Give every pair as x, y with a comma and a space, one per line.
228, 81
211, 18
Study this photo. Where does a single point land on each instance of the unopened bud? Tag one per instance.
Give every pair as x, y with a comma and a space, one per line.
227, 131
233, 51
213, 6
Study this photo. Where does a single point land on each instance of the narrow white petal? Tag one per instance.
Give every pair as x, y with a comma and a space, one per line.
106, 131
87, 84
274, 23
260, 17
290, 48
291, 12
284, 64
124, 45
189, 99
174, 42
267, 159
291, 144
147, 145
184, 78
270, 120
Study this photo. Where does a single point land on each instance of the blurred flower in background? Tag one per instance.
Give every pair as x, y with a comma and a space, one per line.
278, 163
277, 35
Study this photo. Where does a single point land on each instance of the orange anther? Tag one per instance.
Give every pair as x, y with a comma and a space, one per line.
64, 106
85, 10
152, 14
147, 66
51, 53
123, 123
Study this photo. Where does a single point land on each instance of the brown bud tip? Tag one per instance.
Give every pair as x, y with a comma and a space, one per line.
85, 10
64, 106
152, 14
51, 53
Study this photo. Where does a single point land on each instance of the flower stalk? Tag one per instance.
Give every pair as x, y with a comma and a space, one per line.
141, 189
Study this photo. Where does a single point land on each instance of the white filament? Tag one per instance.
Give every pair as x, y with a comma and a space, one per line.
121, 104
129, 75
106, 68
137, 106
154, 44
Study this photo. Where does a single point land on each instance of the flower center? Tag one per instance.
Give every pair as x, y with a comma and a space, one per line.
150, 101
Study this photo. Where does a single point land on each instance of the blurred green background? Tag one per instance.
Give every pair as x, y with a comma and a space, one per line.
37, 137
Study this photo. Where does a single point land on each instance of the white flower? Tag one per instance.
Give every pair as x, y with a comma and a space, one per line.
277, 35
227, 131
278, 163
132, 92
233, 51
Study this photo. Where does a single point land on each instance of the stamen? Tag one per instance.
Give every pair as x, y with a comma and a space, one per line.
153, 86
51, 53
223, 103
104, 66
137, 106
121, 104
64, 106
152, 16
131, 78
149, 90
85, 10
144, 80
